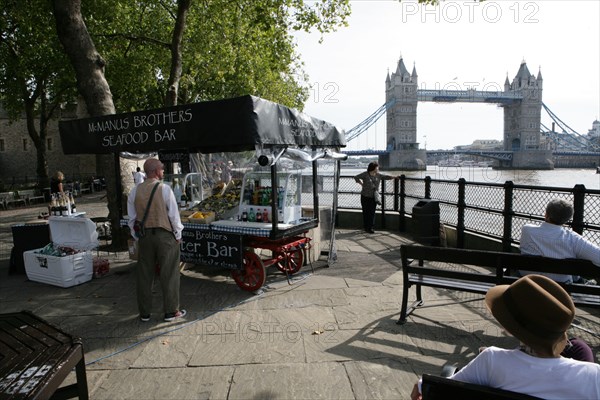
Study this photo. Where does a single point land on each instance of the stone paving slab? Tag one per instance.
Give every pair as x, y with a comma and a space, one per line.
291, 381
165, 383
330, 333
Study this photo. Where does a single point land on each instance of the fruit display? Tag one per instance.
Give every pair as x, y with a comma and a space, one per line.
224, 202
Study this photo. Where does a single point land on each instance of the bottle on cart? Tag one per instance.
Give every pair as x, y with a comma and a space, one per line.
265, 215
244, 216
184, 200
251, 215
258, 216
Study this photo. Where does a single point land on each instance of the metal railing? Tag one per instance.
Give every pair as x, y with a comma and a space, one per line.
497, 211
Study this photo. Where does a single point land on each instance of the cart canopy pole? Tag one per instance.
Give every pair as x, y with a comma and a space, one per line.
315, 191
274, 213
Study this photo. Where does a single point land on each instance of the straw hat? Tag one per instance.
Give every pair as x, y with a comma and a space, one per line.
534, 309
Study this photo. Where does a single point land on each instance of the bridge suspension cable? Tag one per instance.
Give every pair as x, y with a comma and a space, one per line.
570, 137
368, 122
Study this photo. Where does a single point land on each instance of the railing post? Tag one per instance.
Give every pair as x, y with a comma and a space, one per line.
427, 187
508, 216
402, 206
383, 204
462, 205
396, 186
578, 208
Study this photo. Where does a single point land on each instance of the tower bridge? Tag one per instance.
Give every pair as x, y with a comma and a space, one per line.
521, 100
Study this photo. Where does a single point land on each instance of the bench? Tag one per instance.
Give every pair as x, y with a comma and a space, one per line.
8, 198
31, 195
85, 188
36, 359
437, 387
476, 271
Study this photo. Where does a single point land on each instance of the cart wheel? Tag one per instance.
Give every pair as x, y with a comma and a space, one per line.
253, 275
293, 263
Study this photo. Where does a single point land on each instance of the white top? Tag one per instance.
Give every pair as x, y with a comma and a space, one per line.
138, 177
547, 378
172, 211
556, 241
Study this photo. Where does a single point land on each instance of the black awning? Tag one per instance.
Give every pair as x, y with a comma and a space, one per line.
230, 125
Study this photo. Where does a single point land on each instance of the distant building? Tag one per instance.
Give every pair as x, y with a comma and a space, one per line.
482, 144
18, 154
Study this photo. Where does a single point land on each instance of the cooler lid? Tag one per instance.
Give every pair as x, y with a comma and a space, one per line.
76, 232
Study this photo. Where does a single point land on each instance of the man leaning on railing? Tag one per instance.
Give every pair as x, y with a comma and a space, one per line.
552, 239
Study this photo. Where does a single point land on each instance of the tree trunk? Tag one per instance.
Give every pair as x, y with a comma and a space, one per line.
93, 87
183, 7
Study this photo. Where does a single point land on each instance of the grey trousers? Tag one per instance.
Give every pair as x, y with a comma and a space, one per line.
158, 247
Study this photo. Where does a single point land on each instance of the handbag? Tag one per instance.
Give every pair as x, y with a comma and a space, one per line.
138, 226
377, 197
376, 194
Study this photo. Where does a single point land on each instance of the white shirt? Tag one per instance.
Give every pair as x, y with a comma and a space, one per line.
556, 241
546, 378
138, 177
172, 211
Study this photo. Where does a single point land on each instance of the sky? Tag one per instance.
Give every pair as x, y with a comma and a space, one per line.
457, 44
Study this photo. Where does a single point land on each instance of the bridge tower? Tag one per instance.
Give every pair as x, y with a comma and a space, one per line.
522, 122
401, 136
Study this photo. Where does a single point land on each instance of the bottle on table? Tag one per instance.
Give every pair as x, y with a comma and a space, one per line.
73, 206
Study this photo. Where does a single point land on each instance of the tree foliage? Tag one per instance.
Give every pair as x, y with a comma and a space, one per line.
228, 48
35, 76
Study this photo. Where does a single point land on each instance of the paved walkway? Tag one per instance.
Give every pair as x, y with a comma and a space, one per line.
331, 333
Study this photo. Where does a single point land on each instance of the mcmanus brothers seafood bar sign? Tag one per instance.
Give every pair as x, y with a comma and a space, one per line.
237, 124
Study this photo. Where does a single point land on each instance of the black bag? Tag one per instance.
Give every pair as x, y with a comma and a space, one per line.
138, 226
138, 229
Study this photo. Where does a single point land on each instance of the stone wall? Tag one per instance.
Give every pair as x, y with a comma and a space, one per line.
18, 160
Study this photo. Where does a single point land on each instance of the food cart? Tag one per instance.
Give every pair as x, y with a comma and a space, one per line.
248, 123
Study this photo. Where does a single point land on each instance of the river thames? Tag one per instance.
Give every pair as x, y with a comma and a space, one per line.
559, 177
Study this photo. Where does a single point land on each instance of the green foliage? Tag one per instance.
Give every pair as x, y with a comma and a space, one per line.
32, 63
230, 48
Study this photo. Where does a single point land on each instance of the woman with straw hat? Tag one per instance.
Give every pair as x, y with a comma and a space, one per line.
537, 311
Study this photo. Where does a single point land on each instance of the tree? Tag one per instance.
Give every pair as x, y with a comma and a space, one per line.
35, 77
91, 85
266, 22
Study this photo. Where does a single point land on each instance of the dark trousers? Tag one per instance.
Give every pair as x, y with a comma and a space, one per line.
368, 210
158, 246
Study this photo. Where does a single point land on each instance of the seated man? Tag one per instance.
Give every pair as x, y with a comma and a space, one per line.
552, 239
537, 311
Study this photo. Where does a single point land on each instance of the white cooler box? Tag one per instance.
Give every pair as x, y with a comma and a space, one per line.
76, 232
